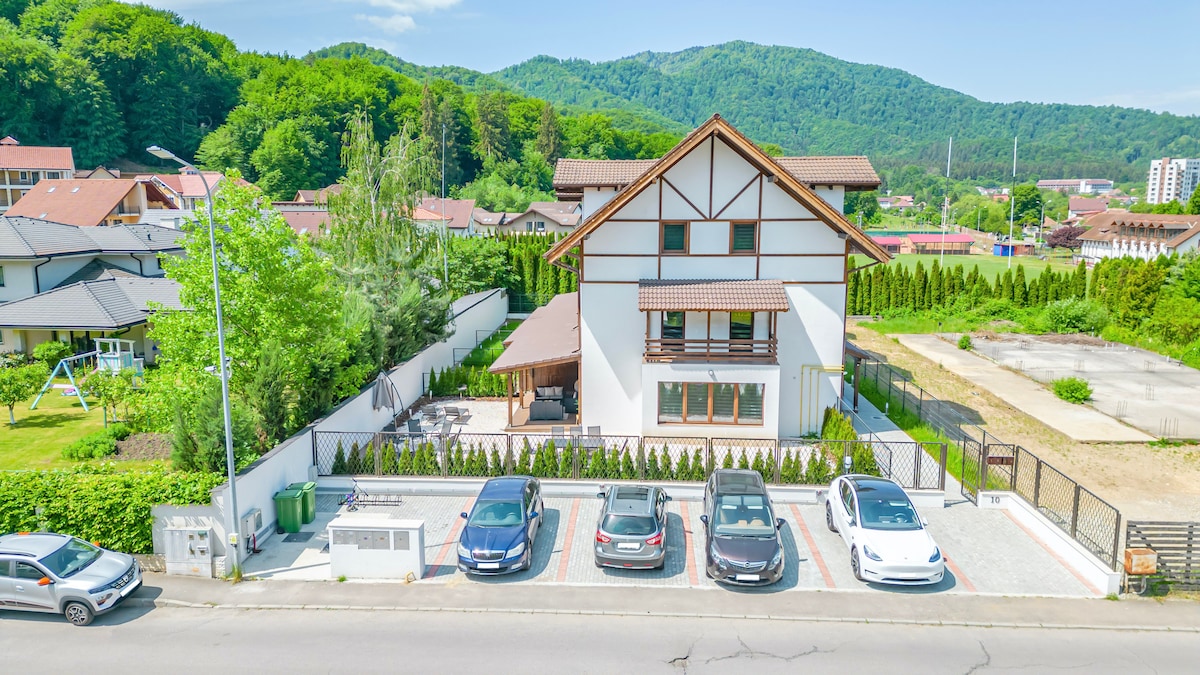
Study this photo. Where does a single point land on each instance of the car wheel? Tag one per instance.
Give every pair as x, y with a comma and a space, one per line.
854, 564
78, 613
829, 518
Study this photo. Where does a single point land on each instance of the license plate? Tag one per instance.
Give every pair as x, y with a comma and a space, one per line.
628, 547
745, 577
489, 566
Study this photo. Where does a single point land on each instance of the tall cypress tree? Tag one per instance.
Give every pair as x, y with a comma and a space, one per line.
1020, 288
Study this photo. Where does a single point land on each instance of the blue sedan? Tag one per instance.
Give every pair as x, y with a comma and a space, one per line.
502, 526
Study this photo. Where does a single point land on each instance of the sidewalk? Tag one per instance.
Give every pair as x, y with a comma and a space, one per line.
904, 606
1079, 422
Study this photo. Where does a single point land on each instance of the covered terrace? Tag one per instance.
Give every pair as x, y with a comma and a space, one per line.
541, 362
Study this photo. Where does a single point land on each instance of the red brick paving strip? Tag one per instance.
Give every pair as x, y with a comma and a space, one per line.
1077, 575
450, 543
565, 557
687, 545
958, 574
812, 547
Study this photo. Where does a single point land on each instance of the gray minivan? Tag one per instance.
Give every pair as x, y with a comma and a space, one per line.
631, 532
60, 574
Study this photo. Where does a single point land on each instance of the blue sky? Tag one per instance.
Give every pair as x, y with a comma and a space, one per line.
1099, 52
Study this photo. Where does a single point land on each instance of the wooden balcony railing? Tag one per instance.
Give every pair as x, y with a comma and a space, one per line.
667, 350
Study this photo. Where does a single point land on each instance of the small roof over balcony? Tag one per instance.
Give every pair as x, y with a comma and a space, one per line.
550, 335
708, 295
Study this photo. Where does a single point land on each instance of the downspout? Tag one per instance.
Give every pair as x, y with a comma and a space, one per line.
37, 280
141, 269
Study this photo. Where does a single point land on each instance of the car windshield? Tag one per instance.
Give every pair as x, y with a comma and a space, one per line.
634, 526
888, 514
743, 516
72, 557
495, 514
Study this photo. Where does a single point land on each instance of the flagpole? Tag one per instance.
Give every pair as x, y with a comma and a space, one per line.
945, 206
1012, 203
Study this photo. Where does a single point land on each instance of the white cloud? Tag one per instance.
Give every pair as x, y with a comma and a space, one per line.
397, 15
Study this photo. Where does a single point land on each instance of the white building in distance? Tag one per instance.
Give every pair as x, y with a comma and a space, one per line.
1172, 180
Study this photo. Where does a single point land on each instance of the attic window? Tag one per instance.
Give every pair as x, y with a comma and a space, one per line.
74, 190
50, 190
42, 217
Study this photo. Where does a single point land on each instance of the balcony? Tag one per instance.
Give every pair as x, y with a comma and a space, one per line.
683, 350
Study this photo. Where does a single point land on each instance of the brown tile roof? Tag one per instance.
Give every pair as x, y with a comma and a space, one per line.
36, 157
550, 335
313, 223
1087, 204
758, 295
81, 202
458, 211
1106, 226
855, 172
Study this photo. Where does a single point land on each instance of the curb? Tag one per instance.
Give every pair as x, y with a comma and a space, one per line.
180, 604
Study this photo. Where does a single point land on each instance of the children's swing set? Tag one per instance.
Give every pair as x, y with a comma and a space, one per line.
112, 355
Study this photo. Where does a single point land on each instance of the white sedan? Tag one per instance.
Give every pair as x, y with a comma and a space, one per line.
888, 541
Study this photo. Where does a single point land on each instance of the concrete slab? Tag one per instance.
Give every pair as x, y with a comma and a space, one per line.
1141, 388
987, 551
1080, 422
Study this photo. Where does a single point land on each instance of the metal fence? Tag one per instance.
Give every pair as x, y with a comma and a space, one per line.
794, 461
1176, 545
989, 464
525, 303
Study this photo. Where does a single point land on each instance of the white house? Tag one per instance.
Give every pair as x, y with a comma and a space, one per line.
1137, 235
712, 291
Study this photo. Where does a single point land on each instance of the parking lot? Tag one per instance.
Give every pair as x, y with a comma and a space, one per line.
986, 551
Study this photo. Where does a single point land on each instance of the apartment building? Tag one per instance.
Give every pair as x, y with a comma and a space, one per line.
1172, 180
23, 166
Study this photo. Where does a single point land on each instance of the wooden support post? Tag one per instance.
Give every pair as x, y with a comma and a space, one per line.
509, 378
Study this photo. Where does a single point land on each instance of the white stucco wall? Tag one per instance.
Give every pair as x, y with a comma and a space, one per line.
18, 280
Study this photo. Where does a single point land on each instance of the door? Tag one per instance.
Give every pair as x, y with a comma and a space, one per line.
26, 593
847, 513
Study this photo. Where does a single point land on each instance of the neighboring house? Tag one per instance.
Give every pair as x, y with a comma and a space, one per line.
111, 305
457, 214
172, 218
1083, 186
186, 188
486, 222
317, 196
87, 202
712, 294
543, 218
1172, 180
1138, 235
900, 202
100, 172
950, 244
37, 257
1081, 207
23, 166
889, 243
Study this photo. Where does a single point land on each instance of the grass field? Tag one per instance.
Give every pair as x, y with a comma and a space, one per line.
989, 265
36, 442
487, 351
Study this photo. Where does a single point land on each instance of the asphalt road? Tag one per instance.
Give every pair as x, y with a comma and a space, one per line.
187, 640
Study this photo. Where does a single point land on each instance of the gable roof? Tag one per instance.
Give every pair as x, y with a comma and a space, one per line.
939, 238
458, 211
717, 127
102, 304
34, 238
563, 213
16, 157
97, 269
80, 202
1106, 226
854, 172
1087, 204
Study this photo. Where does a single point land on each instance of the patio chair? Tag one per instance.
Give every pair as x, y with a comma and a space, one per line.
576, 431
593, 431
451, 411
414, 426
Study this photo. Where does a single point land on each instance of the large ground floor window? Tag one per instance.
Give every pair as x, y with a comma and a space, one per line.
709, 403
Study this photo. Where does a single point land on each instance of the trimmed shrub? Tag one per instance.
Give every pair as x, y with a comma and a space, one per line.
404, 463
389, 459
1072, 389
964, 342
96, 445
339, 460
51, 352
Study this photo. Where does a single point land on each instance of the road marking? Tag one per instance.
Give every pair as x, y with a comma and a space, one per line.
565, 556
812, 547
688, 553
1095, 591
958, 573
451, 542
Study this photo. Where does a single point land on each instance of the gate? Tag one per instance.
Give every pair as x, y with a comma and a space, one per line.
1177, 545
972, 461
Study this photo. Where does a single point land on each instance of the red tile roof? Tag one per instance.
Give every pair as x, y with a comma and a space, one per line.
458, 211
938, 238
80, 202
18, 157
312, 223
1087, 204
887, 241
757, 295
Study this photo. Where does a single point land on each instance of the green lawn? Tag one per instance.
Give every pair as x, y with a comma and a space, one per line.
989, 265
36, 442
487, 352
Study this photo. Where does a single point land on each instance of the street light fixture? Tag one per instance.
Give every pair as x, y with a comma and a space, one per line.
231, 515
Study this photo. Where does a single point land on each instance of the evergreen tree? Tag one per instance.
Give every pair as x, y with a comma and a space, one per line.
368, 460
628, 470
1079, 279
339, 461
653, 472
404, 463
1020, 288
1006, 286
389, 459
549, 138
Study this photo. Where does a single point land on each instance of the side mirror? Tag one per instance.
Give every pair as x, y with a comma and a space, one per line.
600, 495
704, 519
779, 523
45, 581
924, 523
463, 514
669, 498
534, 515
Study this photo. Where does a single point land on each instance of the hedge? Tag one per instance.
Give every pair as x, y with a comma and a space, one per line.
97, 502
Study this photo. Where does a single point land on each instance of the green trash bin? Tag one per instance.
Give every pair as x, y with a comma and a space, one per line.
289, 509
309, 495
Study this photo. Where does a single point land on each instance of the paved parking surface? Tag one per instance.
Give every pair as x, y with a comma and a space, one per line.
986, 551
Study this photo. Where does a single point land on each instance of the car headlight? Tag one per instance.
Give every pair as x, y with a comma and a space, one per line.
463, 552
871, 554
777, 559
716, 557
516, 550
937, 555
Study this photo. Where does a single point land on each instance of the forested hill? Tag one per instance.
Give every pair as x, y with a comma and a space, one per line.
811, 103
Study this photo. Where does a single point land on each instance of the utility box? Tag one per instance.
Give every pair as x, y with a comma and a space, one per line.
376, 548
189, 552
1140, 561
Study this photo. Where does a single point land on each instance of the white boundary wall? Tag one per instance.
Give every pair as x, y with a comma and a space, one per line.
292, 460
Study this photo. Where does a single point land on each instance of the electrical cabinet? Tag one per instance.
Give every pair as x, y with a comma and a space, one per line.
189, 551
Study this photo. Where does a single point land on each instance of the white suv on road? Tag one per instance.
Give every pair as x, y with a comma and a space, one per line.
59, 574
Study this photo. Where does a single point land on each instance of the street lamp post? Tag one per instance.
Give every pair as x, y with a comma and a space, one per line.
231, 513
